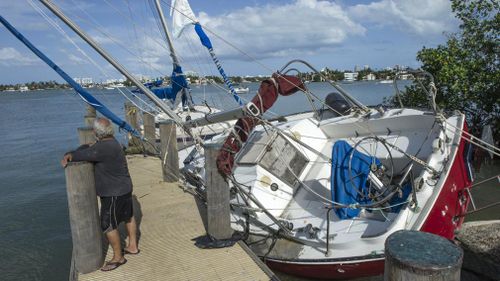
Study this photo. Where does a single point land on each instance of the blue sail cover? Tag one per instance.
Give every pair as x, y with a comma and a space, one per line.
205, 41
86, 96
156, 83
178, 83
343, 190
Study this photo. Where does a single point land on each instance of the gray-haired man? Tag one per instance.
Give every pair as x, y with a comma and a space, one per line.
113, 186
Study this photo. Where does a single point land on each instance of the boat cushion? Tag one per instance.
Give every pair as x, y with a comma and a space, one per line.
344, 190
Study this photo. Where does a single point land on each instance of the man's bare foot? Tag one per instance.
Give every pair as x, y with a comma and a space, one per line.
112, 265
131, 251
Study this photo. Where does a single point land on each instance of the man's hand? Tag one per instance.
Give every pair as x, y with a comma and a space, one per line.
67, 158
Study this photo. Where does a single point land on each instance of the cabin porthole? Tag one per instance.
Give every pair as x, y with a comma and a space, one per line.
274, 186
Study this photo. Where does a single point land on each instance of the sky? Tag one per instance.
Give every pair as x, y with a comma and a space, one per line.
254, 37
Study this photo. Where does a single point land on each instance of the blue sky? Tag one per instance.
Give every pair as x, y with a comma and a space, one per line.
267, 34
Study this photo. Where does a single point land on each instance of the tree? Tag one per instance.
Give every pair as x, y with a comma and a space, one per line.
467, 68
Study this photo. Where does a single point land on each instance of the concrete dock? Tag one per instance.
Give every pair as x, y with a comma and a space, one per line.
169, 219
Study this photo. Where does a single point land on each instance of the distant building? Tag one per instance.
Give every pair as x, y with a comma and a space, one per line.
350, 76
84, 81
405, 76
370, 77
114, 81
356, 68
366, 67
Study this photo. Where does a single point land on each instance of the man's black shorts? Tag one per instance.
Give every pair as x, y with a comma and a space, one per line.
114, 210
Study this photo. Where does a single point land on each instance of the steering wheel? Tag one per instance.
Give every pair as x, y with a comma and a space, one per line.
380, 176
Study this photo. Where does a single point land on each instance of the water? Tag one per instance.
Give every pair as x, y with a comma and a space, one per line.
39, 127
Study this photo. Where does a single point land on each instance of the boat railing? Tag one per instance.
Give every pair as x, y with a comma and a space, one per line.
350, 99
431, 91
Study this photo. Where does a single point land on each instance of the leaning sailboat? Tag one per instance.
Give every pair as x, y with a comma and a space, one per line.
317, 193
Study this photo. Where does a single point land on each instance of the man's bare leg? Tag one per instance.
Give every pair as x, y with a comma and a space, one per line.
114, 239
132, 236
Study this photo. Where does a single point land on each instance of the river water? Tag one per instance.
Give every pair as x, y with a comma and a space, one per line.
39, 126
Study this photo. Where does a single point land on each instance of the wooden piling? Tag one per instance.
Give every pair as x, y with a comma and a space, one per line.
84, 217
86, 135
90, 116
91, 112
149, 133
169, 153
131, 118
419, 256
218, 216
89, 121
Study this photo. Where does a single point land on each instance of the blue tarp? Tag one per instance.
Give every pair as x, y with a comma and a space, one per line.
343, 190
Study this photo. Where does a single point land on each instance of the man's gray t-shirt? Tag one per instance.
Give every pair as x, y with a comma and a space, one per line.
111, 171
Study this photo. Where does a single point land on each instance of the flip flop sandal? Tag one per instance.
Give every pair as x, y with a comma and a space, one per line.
130, 253
108, 266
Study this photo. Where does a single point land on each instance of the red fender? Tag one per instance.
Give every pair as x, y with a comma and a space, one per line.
267, 95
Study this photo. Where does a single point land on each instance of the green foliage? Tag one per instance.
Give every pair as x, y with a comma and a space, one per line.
35, 85
466, 68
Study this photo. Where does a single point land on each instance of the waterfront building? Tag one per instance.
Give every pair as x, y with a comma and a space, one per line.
350, 76
370, 77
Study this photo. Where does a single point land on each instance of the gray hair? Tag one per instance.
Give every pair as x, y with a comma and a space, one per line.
103, 128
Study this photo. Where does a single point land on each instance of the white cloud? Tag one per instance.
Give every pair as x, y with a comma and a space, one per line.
21, 14
77, 59
423, 17
281, 30
11, 57
103, 40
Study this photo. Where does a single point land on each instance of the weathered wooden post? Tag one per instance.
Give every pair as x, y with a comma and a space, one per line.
90, 116
169, 153
84, 217
131, 118
86, 135
149, 132
91, 112
218, 216
415, 255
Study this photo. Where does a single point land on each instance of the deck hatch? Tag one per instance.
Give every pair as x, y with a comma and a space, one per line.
274, 153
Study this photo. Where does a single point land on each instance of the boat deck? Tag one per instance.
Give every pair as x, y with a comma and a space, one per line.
168, 220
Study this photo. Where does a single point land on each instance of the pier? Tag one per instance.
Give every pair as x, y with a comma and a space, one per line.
169, 219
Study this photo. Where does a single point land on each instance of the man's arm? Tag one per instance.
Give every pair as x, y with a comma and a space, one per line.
83, 153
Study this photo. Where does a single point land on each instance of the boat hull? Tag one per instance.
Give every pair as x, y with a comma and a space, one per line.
335, 270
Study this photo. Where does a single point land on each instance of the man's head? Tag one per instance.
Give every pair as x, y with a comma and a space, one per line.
103, 128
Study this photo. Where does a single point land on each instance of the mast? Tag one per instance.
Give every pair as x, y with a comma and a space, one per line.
167, 33
54, 9
175, 60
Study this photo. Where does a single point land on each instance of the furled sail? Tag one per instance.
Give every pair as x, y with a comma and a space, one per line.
86, 96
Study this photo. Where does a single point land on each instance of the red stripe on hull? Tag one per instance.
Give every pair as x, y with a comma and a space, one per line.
445, 216
332, 271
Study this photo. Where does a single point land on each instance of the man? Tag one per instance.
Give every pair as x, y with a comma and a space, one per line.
113, 186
